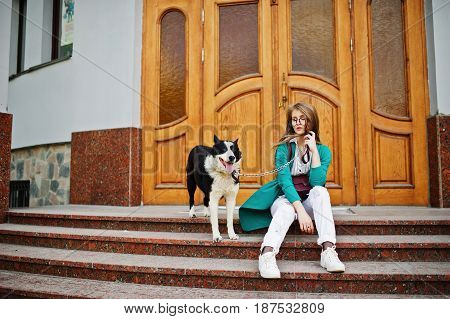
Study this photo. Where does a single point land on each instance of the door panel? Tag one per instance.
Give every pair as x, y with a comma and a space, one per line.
245, 110
238, 83
392, 104
171, 85
315, 65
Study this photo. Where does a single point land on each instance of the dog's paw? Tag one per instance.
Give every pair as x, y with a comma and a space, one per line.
233, 236
217, 238
192, 212
206, 212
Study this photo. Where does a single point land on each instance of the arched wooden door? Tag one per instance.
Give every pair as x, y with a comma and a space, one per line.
225, 71
315, 66
392, 102
171, 96
238, 83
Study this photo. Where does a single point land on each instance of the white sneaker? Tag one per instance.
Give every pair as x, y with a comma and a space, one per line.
268, 265
330, 261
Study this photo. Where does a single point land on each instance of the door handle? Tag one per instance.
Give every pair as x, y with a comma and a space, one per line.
283, 92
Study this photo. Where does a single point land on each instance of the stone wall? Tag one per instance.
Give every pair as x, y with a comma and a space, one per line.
5, 156
47, 167
106, 167
439, 160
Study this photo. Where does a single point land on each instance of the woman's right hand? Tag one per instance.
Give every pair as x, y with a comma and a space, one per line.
305, 222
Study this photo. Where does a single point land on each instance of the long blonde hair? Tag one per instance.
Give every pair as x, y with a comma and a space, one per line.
312, 122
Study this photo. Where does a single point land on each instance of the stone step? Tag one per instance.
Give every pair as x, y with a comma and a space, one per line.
295, 247
398, 222
25, 285
425, 278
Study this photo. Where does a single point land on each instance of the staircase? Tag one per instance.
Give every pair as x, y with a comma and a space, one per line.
159, 252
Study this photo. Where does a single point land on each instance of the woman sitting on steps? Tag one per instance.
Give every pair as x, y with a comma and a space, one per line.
278, 203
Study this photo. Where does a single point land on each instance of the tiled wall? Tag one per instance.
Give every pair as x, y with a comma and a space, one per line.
47, 167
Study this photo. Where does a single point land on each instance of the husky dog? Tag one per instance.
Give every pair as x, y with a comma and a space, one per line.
215, 171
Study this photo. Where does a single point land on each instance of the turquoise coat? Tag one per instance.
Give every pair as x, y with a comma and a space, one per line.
255, 212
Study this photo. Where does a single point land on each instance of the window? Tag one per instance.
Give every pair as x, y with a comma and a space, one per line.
17, 40
62, 28
41, 32
172, 91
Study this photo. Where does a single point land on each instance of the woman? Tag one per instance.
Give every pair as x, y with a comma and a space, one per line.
277, 204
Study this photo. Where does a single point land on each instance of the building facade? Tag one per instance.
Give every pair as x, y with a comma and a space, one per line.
102, 100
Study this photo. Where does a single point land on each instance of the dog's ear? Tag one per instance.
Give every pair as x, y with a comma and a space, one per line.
236, 141
216, 139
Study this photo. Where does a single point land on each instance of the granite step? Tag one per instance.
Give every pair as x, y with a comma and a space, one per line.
25, 285
395, 222
423, 278
295, 247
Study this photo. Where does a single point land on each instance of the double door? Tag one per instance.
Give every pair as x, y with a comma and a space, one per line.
231, 68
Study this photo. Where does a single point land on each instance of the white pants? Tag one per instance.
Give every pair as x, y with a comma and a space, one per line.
318, 207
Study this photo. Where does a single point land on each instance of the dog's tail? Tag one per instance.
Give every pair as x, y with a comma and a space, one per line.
191, 185
190, 163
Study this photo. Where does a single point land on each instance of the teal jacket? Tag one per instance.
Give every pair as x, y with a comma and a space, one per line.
255, 212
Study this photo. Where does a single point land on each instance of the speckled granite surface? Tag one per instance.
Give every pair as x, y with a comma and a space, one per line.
438, 135
106, 167
13, 284
5, 159
428, 278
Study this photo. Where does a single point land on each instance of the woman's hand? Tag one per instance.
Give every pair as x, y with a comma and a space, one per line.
305, 222
310, 140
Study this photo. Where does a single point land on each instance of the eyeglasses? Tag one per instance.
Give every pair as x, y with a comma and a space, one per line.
298, 120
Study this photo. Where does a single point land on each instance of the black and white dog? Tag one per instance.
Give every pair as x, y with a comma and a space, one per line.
215, 171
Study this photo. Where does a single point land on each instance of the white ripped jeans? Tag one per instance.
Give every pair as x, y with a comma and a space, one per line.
318, 207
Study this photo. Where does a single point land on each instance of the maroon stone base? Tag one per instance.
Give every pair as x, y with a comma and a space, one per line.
416, 226
438, 127
355, 283
292, 250
5, 161
106, 167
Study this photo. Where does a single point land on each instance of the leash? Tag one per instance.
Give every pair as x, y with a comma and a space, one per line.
279, 168
268, 172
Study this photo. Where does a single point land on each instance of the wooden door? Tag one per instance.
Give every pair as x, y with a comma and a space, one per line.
171, 96
238, 83
259, 57
315, 66
391, 94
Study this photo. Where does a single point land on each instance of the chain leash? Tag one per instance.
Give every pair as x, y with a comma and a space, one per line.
268, 172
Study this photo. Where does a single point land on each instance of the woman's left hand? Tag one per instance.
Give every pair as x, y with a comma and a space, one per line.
310, 140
